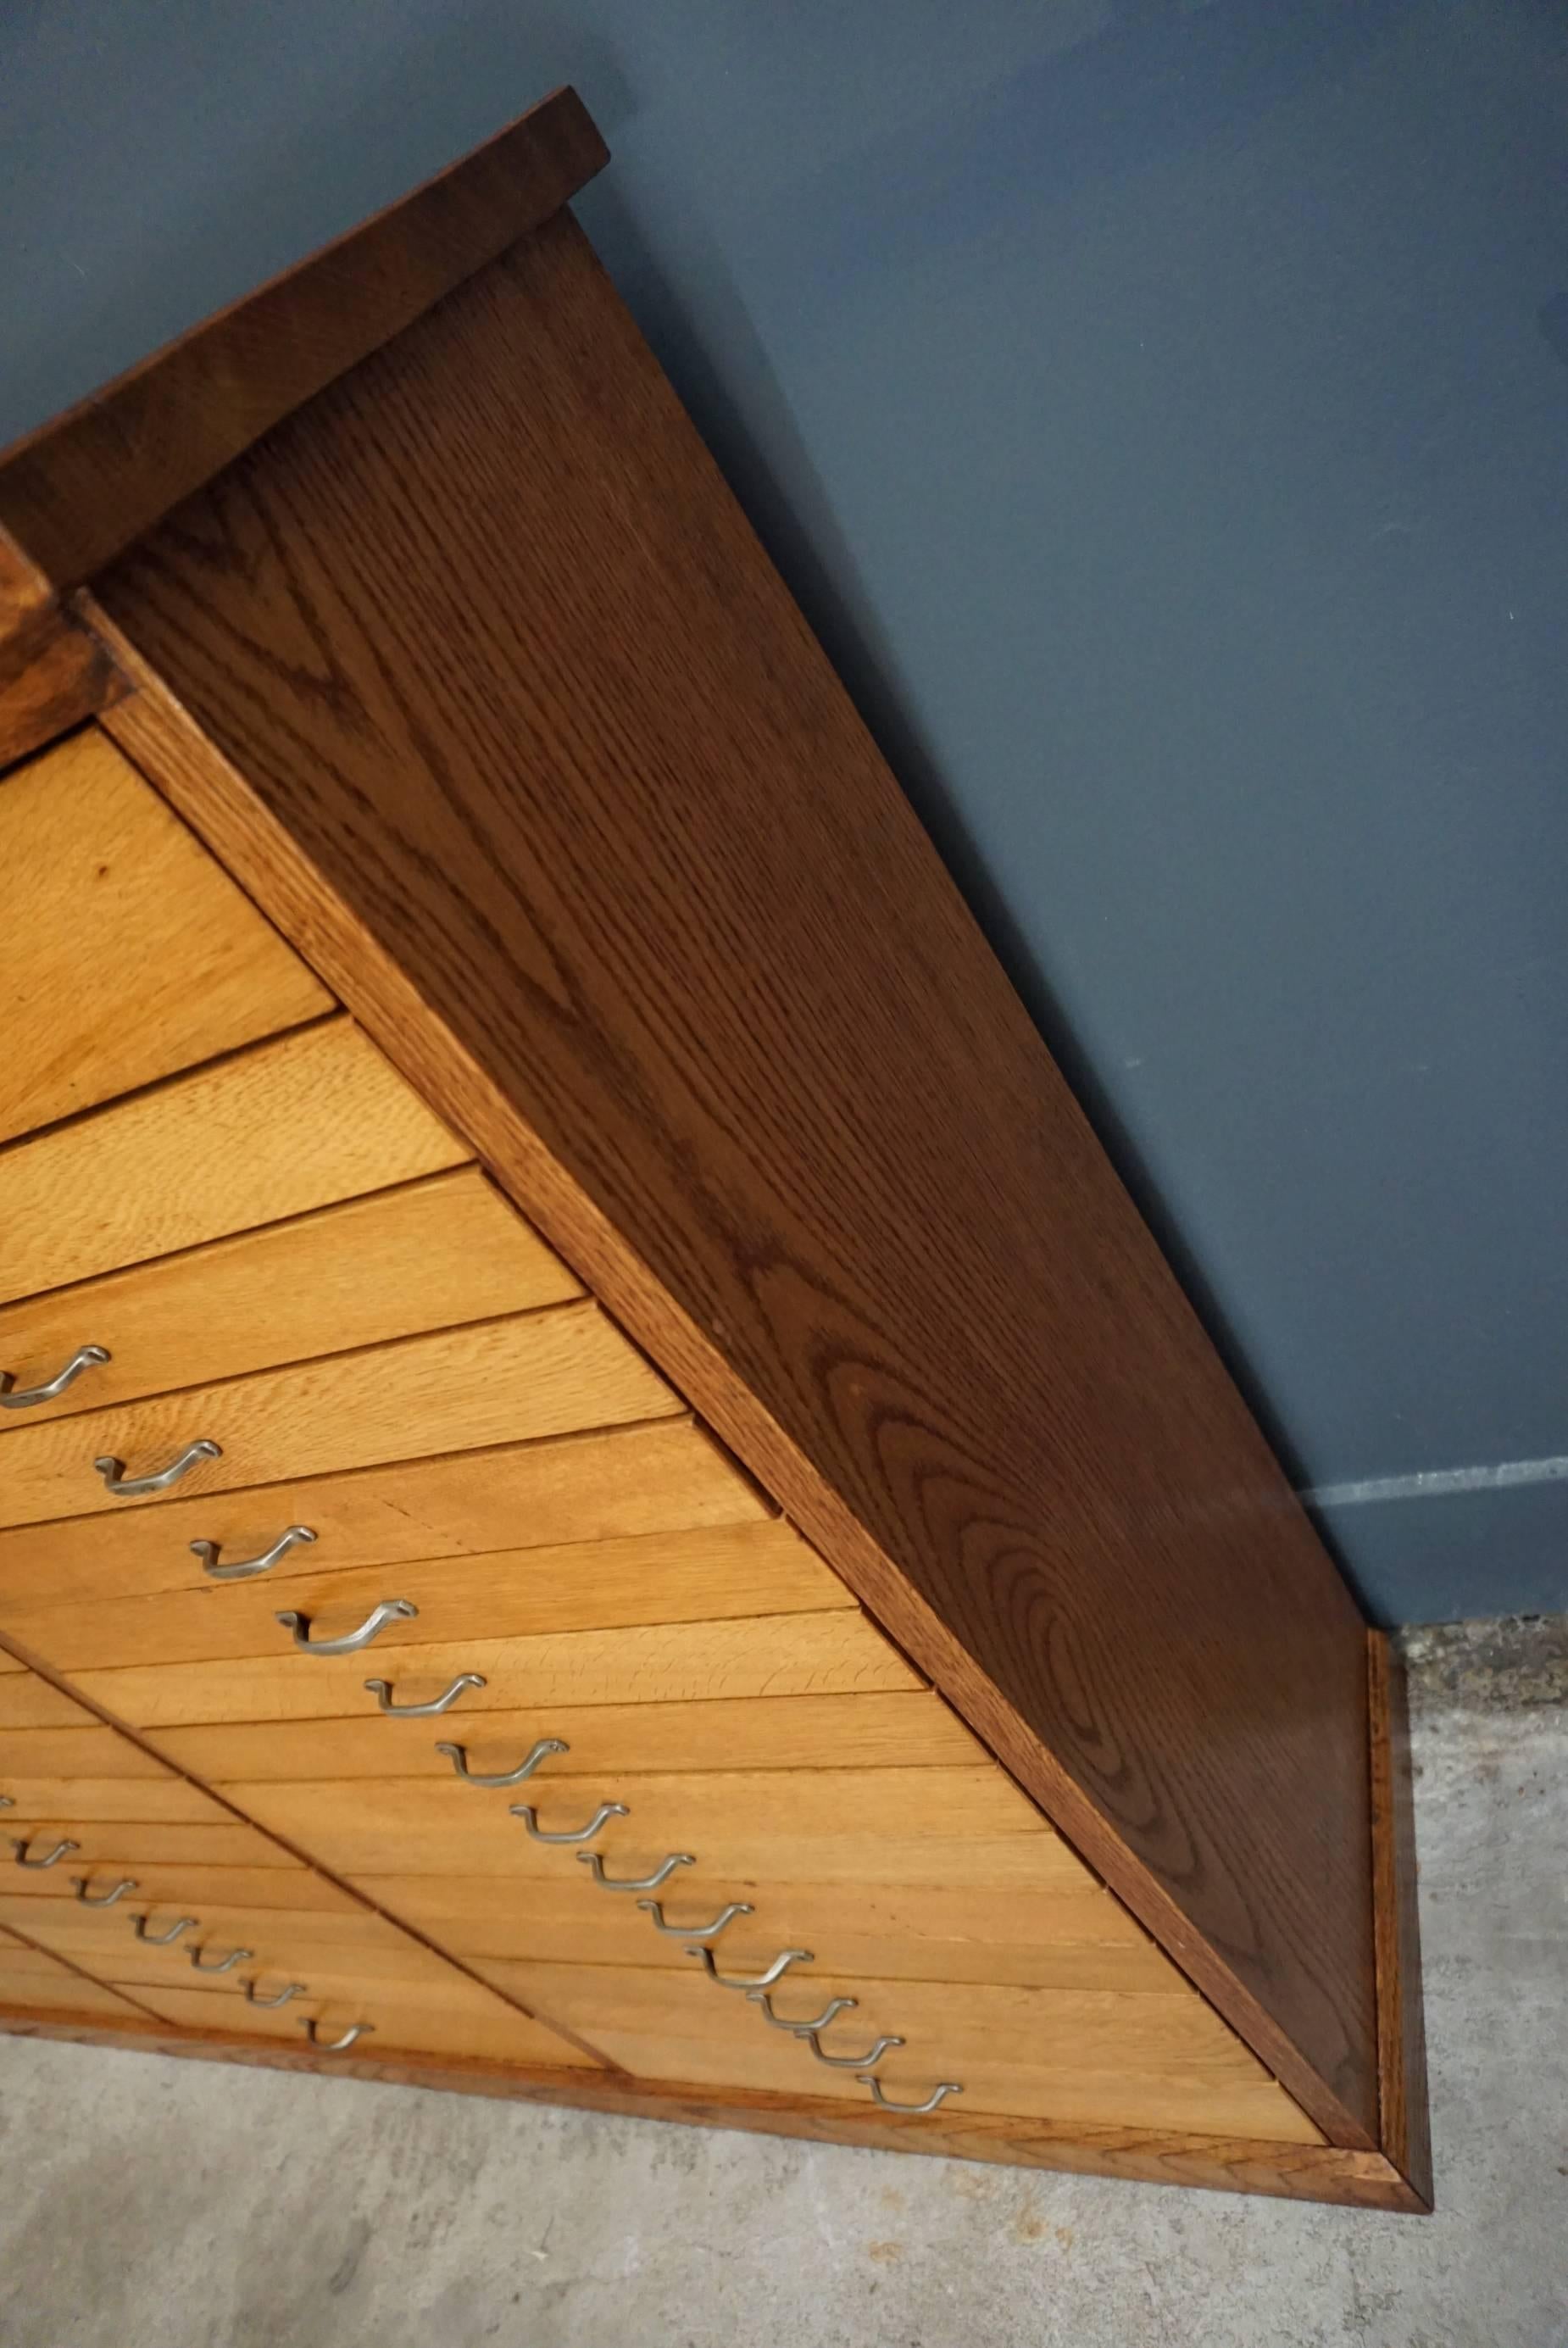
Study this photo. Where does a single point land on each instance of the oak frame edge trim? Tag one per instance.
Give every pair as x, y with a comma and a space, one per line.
1405, 2120
177, 758
1224, 2163
83, 487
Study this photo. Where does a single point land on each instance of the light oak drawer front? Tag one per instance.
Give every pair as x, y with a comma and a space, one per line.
410, 2022
1062, 1931
26, 1802
780, 1654
276, 1131
661, 1477
68, 1751
1101, 2059
128, 953
131, 1843
426, 1255
957, 1827
333, 1948
28, 1702
604, 1741
32, 1982
180, 1887
706, 1573
494, 1382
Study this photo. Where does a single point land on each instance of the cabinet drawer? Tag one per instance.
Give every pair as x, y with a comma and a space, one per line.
495, 1382
425, 1256
297, 1123
128, 952
775, 1654
408, 2023
28, 1702
342, 1947
1152, 2060
129, 1843
705, 1574
958, 1827
660, 1477
87, 1751
175, 1887
915, 1730
26, 1802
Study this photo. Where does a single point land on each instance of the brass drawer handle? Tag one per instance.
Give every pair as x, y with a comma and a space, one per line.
661, 1874
866, 2062
781, 1963
382, 1691
80, 1885
458, 1755
290, 1989
948, 2087
831, 2013
224, 1964
392, 1609
244, 1568
59, 1852
161, 1940
15, 1397
135, 1487
337, 2046
601, 1817
725, 1915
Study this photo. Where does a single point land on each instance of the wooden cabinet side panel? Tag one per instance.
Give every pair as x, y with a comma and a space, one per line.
691, 980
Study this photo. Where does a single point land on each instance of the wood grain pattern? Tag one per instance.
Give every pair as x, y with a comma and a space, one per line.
424, 1256
181, 1886
28, 1702
953, 1827
1402, 2045
312, 1117
490, 1382
89, 483
1060, 1932
659, 1476
1363, 2180
54, 672
104, 896
800, 1732
415, 2022
350, 1943
692, 1663
166, 1800
131, 1844
74, 1752
707, 1575
739, 1051
29, 1979
1069, 2055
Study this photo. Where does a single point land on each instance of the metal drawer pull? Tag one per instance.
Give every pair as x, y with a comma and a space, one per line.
224, 1964
661, 1874
89, 1898
337, 2046
948, 2087
290, 1989
382, 1691
865, 2062
161, 1940
7, 1802
601, 1817
655, 1909
393, 1610
831, 2013
781, 1963
244, 1568
15, 1397
458, 1755
133, 1487
59, 1852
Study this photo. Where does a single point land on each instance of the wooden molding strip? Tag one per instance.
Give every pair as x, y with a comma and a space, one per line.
1401, 2038
54, 672
84, 487
1362, 2180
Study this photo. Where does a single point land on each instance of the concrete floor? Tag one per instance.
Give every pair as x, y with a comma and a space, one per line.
160, 2204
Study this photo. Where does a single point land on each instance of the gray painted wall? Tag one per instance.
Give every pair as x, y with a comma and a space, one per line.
1161, 411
